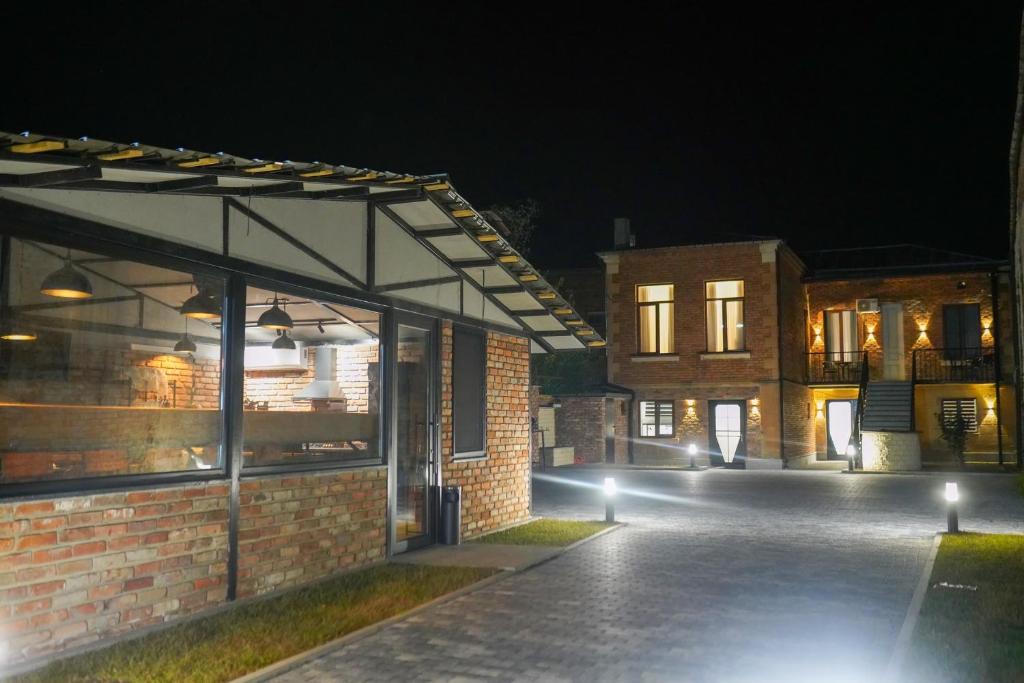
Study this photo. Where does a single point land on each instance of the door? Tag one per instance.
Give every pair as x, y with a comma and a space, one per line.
413, 461
728, 433
841, 426
893, 366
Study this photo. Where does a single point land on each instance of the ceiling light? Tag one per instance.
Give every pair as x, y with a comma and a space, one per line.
275, 319
185, 344
202, 306
283, 342
67, 283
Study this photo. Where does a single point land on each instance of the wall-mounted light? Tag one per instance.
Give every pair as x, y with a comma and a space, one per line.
821, 408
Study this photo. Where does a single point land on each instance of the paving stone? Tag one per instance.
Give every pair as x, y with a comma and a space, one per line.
719, 576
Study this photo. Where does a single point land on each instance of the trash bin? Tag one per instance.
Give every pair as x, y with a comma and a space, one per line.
451, 515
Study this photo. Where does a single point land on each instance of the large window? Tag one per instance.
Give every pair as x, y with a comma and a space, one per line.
108, 366
657, 418
312, 381
841, 342
725, 316
961, 331
469, 391
655, 318
963, 408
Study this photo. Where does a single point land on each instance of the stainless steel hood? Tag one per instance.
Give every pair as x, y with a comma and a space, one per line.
323, 387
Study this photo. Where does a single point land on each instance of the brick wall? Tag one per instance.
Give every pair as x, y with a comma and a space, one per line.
495, 489
580, 423
77, 569
355, 371
300, 527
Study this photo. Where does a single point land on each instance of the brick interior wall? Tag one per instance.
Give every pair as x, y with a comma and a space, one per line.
355, 372
495, 489
77, 569
297, 528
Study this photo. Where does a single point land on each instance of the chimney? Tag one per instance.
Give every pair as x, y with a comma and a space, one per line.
624, 237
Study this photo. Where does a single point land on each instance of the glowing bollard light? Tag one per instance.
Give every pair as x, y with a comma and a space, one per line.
851, 456
693, 455
952, 516
609, 499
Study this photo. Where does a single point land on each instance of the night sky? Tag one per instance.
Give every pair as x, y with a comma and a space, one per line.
854, 124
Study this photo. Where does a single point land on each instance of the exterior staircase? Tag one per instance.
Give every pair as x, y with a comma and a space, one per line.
888, 407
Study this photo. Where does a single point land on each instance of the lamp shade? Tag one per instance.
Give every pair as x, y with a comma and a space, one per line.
12, 332
275, 319
284, 342
201, 306
67, 283
185, 344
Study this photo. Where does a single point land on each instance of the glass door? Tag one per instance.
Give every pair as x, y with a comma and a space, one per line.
841, 421
728, 433
414, 465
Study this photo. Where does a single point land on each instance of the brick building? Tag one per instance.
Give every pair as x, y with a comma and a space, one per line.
223, 377
753, 356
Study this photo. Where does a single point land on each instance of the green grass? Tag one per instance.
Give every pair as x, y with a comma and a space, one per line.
235, 642
968, 635
545, 532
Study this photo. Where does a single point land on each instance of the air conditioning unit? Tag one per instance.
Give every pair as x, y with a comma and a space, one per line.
867, 306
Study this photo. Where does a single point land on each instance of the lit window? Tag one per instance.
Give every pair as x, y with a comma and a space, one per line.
657, 418
841, 343
725, 315
966, 408
655, 318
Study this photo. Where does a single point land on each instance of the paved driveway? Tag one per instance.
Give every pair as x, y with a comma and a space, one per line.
719, 576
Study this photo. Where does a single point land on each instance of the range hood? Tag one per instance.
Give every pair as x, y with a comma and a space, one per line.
323, 387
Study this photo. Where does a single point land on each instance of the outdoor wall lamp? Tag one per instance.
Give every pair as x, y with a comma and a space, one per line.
609, 499
952, 516
66, 282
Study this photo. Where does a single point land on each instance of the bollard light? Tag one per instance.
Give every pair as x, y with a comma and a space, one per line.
693, 455
609, 499
952, 515
851, 456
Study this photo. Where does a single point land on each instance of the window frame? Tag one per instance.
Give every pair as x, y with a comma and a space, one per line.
844, 355
657, 319
725, 316
481, 453
958, 401
659, 403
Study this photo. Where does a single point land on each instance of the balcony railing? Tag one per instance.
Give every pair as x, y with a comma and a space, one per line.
954, 365
836, 367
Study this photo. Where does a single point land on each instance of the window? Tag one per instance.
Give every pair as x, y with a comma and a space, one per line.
108, 366
841, 342
312, 381
655, 318
725, 316
961, 331
469, 391
657, 418
967, 408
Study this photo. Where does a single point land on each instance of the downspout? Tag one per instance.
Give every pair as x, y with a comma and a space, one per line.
1015, 293
994, 331
778, 354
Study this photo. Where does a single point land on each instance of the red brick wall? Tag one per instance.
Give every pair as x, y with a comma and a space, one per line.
580, 423
77, 569
495, 489
355, 365
300, 527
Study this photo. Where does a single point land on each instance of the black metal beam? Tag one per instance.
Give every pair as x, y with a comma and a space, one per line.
439, 232
70, 303
396, 195
531, 312
45, 178
474, 262
554, 333
298, 244
504, 289
412, 284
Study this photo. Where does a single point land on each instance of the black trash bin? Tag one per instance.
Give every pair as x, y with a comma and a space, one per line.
451, 515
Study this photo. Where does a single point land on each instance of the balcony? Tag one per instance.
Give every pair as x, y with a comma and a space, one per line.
965, 366
843, 368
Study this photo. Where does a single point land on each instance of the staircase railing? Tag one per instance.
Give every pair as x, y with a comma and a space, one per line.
865, 371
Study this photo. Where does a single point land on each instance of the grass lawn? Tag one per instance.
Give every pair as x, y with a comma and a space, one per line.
972, 635
545, 532
235, 642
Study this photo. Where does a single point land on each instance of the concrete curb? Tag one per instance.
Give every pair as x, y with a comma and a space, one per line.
899, 654
295, 661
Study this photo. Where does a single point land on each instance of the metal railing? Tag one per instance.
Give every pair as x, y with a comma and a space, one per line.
837, 367
954, 365
858, 459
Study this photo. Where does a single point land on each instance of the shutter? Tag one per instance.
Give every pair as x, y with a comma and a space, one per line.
952, 331
967, 407
970, 323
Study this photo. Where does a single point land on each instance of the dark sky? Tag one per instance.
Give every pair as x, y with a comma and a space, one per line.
850, 124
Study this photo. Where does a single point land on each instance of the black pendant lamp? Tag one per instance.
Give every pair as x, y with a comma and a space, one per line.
185, 344
67, 282
16, 333
202, 306
275, 319
284, 342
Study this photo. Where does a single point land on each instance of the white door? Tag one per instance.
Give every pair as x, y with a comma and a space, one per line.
893, 367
